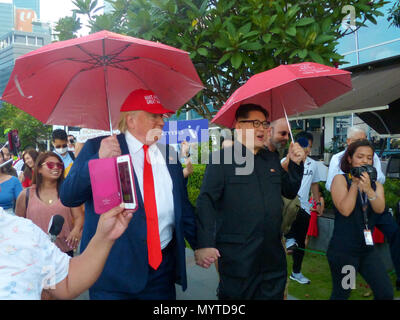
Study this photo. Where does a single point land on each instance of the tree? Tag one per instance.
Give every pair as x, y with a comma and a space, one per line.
231, 40
394, 14
67, 27
31, 131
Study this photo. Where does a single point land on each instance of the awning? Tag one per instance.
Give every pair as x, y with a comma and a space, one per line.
375, 84
384, 121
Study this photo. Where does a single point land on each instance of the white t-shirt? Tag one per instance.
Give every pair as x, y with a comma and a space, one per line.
310, 175
334, 169
29, 261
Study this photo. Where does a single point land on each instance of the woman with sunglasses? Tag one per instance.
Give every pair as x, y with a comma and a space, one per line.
29, 156
44, 202
10, 187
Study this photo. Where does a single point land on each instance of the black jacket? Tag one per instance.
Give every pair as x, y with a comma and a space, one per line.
241, 215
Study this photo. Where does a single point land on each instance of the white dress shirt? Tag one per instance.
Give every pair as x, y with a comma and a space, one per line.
162, 185
334, 169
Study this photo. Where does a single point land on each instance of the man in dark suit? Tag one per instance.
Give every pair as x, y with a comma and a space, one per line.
149, 257
239, 211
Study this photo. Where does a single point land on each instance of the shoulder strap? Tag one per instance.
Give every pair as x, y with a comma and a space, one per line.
71, 154
27, 198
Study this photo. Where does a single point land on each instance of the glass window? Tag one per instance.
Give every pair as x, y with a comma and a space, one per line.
351, 60
340, 132
32, 40
19, 39
381, 52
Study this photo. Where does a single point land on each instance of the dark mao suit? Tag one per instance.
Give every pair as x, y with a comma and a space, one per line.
127, 270
241, 216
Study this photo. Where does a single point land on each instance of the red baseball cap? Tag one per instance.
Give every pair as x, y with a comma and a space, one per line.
144, 100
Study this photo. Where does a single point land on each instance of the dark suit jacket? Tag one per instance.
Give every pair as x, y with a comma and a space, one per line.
241, 215
126, 269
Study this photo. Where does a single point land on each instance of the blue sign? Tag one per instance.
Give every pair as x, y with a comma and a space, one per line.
192, 131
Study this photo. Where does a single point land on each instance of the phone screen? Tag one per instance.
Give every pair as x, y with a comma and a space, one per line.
125, 178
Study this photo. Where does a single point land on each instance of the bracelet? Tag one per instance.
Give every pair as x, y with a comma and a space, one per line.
373, 198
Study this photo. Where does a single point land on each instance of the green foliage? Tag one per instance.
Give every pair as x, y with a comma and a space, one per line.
67, 27
31, 131
194, 182
231, 40
394, 14
392, 192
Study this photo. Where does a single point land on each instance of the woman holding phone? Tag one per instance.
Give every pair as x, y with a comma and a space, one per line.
358, 201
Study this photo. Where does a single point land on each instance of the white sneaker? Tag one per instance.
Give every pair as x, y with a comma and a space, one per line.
299, 278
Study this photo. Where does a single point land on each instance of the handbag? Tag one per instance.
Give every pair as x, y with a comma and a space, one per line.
289, 213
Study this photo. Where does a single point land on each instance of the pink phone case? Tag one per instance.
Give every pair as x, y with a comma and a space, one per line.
105, 184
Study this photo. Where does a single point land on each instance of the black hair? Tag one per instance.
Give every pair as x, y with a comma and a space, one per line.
345, 166
59, 134
244, 109
304, 134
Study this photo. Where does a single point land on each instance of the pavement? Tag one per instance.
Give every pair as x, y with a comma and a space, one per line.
202, 283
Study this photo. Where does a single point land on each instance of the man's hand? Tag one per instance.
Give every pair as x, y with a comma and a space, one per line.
113, 223
206, 256
296, 153
109, 147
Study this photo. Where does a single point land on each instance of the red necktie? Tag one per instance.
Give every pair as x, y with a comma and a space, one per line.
150, 207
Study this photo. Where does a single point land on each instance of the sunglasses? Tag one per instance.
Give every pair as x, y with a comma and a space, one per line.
51, 165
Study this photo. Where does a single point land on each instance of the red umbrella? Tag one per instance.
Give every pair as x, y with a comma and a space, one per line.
83, 82
294, 88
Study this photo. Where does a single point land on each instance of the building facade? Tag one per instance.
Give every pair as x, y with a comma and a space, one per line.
20, 33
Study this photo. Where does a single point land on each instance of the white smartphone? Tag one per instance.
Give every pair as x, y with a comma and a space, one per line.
125, 172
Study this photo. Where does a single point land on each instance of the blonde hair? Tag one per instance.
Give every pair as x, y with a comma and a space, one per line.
122, 125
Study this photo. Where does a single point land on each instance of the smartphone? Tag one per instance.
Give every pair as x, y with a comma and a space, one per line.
125, 173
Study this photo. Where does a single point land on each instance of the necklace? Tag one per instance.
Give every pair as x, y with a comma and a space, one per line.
50, 201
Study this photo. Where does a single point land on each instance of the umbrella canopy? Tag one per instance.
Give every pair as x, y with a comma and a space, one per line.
83, 82
294, 88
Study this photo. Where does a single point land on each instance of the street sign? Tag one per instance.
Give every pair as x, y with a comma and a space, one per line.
192, 131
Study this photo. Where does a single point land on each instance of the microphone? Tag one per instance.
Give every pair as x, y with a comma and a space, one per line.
55, 226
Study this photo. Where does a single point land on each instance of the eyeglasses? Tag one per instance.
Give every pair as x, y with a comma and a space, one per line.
257, 123
51, 165
71, 141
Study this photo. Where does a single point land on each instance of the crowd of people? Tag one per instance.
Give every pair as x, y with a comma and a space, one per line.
236, 224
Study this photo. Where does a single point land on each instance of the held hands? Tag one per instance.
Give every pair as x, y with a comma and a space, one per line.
296, 153
113, 223
206, 256
109, 147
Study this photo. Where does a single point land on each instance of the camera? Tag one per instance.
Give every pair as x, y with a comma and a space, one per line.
357, 172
